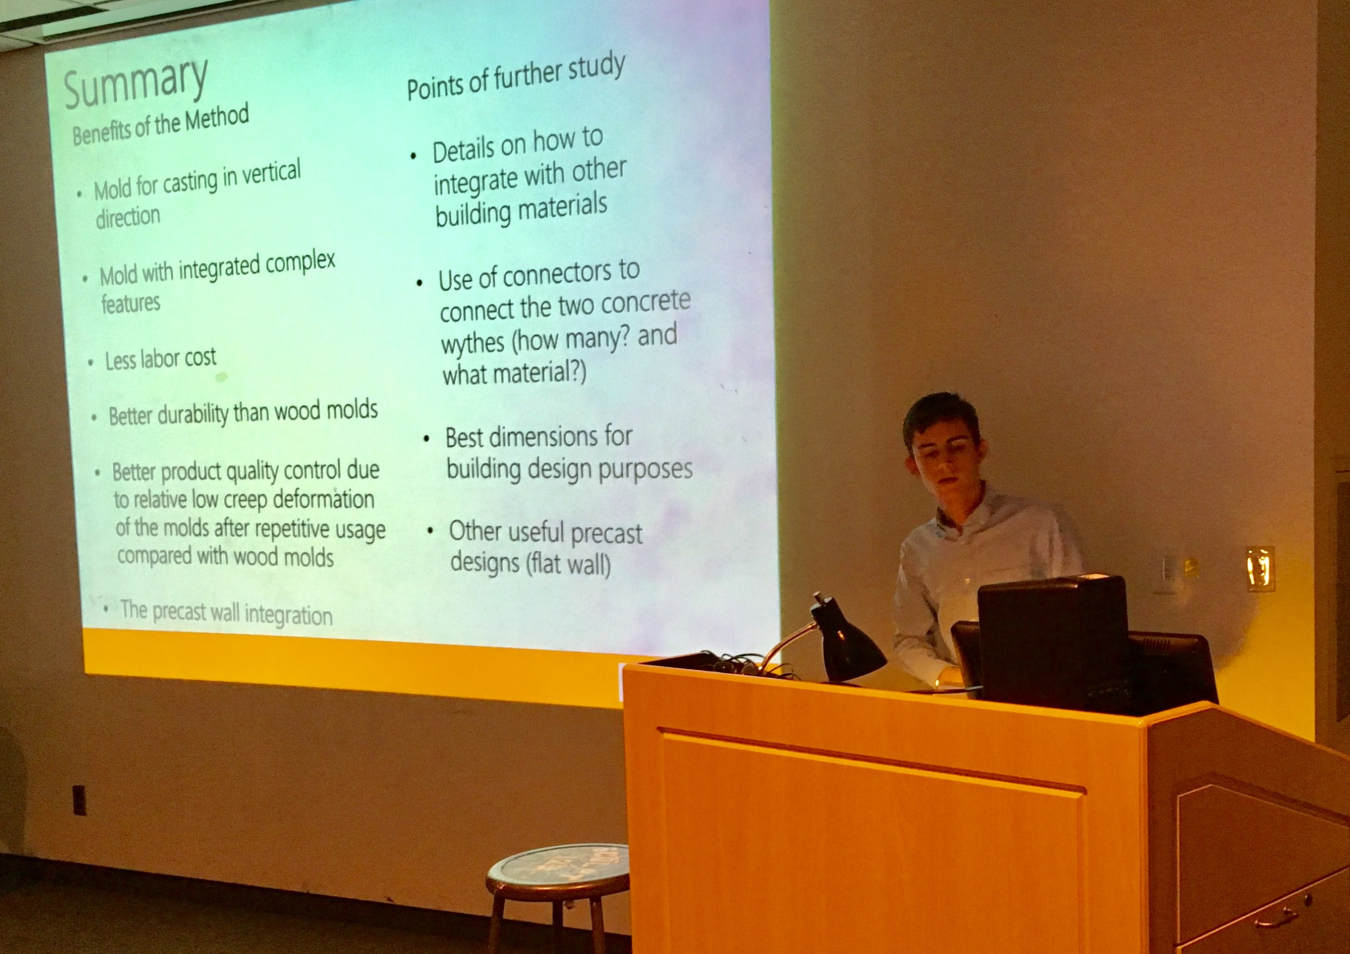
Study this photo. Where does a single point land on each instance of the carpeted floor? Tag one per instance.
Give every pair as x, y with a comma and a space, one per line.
60, 909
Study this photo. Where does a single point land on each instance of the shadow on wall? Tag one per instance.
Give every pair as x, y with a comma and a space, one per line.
1221, 616
13, 794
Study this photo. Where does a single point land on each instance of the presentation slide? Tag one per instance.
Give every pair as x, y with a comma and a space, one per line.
414, 322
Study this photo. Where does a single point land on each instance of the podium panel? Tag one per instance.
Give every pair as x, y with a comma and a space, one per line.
1219, 829
774, 816
1241, 817
856, 855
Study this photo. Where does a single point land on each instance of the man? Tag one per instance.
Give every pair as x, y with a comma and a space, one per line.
978, 536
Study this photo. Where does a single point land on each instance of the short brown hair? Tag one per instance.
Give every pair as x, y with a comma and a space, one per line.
939, 406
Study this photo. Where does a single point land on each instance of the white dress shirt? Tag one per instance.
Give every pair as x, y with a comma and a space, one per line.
942, 567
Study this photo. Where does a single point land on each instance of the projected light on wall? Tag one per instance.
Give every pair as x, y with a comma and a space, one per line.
404, 335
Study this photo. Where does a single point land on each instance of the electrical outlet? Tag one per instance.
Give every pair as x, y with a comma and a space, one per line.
78, 801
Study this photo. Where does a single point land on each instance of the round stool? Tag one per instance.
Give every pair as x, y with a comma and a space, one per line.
558, 874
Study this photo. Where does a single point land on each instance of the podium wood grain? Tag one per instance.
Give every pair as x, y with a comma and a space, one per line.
770, 816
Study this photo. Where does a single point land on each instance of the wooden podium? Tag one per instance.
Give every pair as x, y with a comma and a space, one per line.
775, 816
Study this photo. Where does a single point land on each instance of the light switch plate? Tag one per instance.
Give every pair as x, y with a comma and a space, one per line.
1260, 569
1167, 582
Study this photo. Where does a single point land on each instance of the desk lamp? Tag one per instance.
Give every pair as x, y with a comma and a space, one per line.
849, 652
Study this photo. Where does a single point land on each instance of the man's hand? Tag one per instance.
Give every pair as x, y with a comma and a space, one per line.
950, 678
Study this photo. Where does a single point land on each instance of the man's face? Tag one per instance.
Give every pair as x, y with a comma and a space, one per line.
947, 459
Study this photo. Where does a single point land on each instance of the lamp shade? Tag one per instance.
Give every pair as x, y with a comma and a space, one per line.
849, 652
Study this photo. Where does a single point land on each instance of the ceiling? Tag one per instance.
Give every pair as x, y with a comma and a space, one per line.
36, 22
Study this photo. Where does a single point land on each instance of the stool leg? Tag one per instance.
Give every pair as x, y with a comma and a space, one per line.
557, 928
597, 925
495, 929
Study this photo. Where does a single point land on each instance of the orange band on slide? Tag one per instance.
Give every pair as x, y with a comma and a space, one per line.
465, 672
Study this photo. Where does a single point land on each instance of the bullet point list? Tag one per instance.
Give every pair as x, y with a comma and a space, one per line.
590, 352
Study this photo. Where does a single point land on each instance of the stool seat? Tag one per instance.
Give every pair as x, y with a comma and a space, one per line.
559, 874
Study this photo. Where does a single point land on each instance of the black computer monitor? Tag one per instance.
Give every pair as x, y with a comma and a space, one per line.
1162, 670
1171, 670
966, 635
1062, 643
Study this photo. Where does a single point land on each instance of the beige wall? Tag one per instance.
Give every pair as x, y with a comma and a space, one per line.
1096, 220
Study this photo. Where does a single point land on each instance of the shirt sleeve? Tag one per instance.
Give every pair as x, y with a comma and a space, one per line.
915, 623
1064, 556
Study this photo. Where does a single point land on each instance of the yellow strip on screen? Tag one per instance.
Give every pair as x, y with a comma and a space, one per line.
467, 672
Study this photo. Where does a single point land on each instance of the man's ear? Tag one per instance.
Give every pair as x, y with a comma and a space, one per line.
982, 451
910, 465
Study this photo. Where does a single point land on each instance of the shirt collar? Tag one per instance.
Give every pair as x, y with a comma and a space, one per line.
977, 521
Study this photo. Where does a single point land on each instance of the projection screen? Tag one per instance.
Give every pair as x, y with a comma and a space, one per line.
419, 346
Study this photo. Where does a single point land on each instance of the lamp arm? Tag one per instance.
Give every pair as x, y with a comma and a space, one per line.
764, 666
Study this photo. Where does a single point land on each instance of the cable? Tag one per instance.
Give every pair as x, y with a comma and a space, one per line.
750, 664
